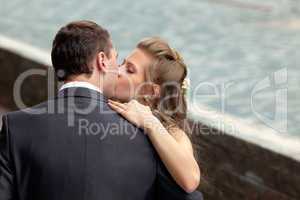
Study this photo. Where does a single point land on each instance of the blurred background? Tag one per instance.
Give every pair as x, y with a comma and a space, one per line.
243, 56
237, 43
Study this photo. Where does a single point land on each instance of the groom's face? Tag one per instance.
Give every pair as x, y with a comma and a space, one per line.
111, 73
112, 60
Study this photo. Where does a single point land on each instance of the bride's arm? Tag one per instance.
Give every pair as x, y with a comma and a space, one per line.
174, 149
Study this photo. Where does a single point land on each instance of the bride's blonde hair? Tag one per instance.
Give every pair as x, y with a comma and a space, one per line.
169, 71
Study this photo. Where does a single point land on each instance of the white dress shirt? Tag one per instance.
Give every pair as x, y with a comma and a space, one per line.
83, 84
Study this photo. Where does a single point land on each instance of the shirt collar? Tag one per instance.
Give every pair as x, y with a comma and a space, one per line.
83, 84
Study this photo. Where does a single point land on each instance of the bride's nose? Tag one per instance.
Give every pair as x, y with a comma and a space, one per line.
120, 70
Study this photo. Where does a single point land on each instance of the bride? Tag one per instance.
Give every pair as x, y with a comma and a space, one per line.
150, 93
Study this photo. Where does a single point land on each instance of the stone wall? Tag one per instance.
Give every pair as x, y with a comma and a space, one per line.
234, 169
231, 168
34, 89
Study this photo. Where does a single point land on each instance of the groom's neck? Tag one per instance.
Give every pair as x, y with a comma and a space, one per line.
82, 78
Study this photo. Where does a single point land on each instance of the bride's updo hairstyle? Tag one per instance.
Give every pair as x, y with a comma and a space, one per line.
168, 71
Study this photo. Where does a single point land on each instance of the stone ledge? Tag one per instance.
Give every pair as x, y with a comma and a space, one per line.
232, 168
236, 169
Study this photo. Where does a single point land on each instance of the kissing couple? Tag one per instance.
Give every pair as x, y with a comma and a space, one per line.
43, 156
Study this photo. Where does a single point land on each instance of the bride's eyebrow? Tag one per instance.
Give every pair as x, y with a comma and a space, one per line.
129, 63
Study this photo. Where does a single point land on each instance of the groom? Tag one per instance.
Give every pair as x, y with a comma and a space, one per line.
74, 146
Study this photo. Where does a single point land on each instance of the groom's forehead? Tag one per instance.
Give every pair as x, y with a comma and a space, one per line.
111, 45
113, 51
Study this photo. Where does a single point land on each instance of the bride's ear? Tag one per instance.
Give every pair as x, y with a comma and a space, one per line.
156, 90
101, 63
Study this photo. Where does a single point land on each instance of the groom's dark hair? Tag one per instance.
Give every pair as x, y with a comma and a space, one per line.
76, 45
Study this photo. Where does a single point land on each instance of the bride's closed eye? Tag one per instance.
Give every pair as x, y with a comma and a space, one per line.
130, 67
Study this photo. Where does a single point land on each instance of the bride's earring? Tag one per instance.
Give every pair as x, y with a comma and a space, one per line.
147, 98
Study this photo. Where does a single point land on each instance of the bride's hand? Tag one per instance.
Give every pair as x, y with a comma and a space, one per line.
135, 112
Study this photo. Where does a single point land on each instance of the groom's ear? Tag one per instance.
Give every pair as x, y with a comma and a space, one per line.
101, 62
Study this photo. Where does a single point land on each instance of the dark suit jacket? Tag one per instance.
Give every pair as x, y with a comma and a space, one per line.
75, 147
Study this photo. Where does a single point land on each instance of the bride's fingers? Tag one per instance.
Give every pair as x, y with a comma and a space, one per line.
116, 108
118, 104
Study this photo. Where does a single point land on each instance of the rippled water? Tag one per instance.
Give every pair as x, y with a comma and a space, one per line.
233, 44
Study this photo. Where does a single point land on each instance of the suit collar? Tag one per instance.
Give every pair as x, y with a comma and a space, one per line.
81, 92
